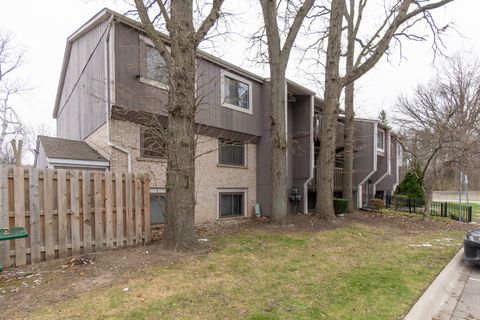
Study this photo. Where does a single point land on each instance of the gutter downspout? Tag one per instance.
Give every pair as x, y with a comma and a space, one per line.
312, 155
388, 164
109, 97
359, 188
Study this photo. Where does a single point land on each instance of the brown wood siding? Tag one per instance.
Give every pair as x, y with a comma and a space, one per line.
363, 146
82, 103
131, 93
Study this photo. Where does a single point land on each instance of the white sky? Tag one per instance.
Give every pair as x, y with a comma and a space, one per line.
42, 27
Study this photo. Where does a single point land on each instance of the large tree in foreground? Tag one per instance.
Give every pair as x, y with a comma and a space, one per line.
178, 49
279, 49
401, 17
440, 122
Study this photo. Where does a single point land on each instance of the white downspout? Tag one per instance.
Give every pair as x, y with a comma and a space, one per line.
109, 98
388, 165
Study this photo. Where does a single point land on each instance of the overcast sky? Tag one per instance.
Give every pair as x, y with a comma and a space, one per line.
42, 27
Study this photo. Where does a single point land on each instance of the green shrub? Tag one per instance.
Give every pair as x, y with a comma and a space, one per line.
340, 205
412, 186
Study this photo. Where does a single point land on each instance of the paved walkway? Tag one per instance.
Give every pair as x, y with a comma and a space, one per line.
468, 306
453, 295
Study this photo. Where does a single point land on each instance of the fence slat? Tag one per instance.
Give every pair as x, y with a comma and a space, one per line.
75, 207
108, 210
119, 207
4, 219
128, 205
97, 184
138, 210
48, 213
19, 199
87, 221
35, 241
146, 208
62, 213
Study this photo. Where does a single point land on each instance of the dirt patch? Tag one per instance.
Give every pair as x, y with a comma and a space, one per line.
30, 287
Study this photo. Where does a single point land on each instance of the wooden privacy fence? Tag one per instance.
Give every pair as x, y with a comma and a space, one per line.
71, 212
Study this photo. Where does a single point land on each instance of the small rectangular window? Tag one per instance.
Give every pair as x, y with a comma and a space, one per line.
236, 92
158, 202
231, 153
152, 143
156, 66
231, 204
380, 140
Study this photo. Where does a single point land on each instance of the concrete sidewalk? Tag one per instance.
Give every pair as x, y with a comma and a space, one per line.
453, 295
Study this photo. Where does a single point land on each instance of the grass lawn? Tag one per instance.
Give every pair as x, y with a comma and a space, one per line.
359, 271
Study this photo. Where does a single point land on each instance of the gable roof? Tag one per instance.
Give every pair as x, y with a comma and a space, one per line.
69, 149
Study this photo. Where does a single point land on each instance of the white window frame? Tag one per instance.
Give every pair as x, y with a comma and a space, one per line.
381, 150
147, 81
224, 104
236, 190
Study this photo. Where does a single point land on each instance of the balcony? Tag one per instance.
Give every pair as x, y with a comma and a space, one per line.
337, 180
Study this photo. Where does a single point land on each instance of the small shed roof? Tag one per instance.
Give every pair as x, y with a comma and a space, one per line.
69, 149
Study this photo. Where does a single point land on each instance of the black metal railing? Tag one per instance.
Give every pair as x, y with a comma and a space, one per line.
439, 209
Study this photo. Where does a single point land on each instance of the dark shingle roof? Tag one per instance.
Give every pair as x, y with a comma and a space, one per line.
69, 149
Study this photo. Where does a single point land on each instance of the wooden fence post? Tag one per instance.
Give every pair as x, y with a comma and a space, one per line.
35, 241
19, 199
4, 215
62, 213
75, 210
48, 213
97, 184
119, 207
108, 210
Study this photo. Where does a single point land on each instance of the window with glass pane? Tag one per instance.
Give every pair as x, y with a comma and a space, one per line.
156, 66
152, 143
158, 203
236, 92
231, 153
231, 204
380, 140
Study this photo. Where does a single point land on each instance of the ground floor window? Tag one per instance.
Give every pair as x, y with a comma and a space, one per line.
158, 201
231, 204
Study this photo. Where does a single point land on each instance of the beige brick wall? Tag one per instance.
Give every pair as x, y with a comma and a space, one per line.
210, 178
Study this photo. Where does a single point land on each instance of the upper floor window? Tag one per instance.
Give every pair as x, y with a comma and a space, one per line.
381, 140
231, 153
153, 69
236, 92
152, 143
156, 66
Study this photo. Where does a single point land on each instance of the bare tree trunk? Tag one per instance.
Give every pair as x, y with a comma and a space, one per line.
180, 144
279, 144
347, 176
278, 59
333, 89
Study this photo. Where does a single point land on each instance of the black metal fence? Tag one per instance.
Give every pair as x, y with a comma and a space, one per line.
439, 209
